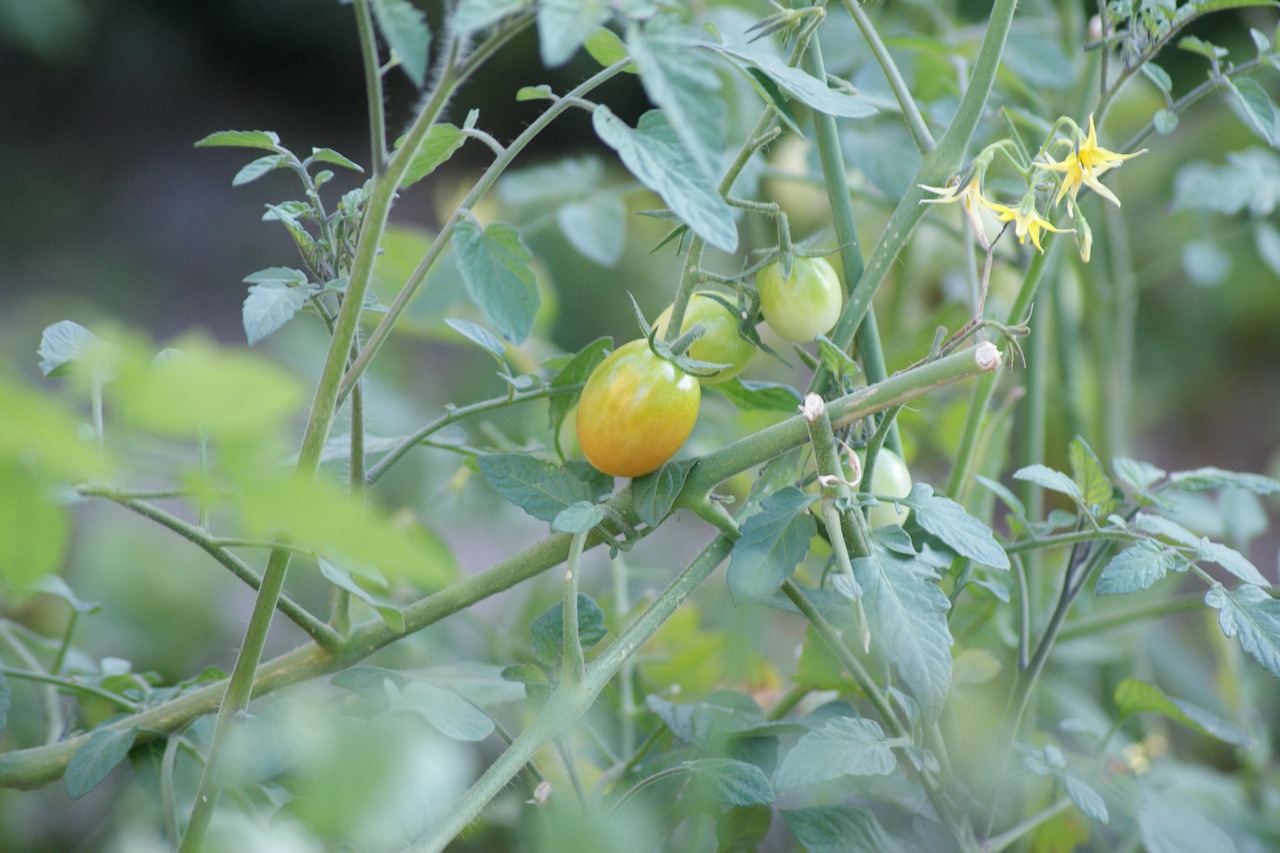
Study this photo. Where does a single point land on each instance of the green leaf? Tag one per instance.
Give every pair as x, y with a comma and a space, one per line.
842, 746
752, 396
1165, 121
653, 495
773, 542
473, 15
1250, 179
1158, 525
441, 141
836, 359
1138, 476
606, 48
1206, 479
733, 783
1158, 76
961, 532
577, 518
57, 587
1133, 696
269, 306
96, 758
494, 265
257, 168
654, 154
1135, 568
1092, 478
1007, 497
328, 155
1048, 478
907, 616
1177, 826
548, 184
535, 93
1231, 560
1208, 50
4, 702
539, 488
33, 530
39, 431
211, 388
454, 716
564, 24
548, 628
65, 343
404, 28
340, 577
264, 139
679, 80
836, 829
575, 372
804, 87
480, 336
1253, 616
596, 227
1256, 105
1085, 798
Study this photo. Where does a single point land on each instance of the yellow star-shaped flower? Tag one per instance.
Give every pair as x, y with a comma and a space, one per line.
1026, 222
1084, 165
969, 194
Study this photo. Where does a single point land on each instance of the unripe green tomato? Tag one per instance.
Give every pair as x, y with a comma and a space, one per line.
636, 411
721, 343
891, 479
801, 307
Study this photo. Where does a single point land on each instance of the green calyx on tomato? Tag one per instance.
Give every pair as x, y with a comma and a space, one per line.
720, 343
801, 307
636, 410
889, 480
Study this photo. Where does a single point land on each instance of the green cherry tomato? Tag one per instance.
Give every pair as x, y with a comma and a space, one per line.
721, 344
636, 411
891, 479
802, 307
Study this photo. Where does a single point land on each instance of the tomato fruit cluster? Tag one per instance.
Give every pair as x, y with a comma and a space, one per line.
636, 411
720, 343
803, 306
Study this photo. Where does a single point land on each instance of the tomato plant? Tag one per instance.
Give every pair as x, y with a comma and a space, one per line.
803, 306
720, 343
890, 479
636, 411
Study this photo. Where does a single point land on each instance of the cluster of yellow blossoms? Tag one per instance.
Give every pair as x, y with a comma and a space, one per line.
1082, 166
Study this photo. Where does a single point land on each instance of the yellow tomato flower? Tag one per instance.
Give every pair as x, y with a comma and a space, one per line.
969, 194
1084, 165
1026, 221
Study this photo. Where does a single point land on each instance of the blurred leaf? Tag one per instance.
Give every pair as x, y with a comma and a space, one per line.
773, 542
33, 531
653, 495
96, 758
4, 702
65, 343
961, 532
654, 154
494, 264
596, 227
907, 616
257, 168
1133, 696
1007, 497
606, 48
751, 396
1165, 121
1085, 798
1255, 104
577, 518
1205, 479
1205, 263
1250, 179
36, 429
800, 85
404, 28
1253, 616
1176, 826
842, 746
269, 306
1038, 58
473, 15
57, 587
1158, 76
454, 716
1135, 568
679, 80
550, 183
564, 24
340, 577
535, 93
1048, 478
264, 139
539, 488
480, 336
819, 668
742, 828
441, 141
211, 388
328, 155
1199, 46
548, 628
574, 372
1139, 476
733, 783
1267, 239
836, 829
